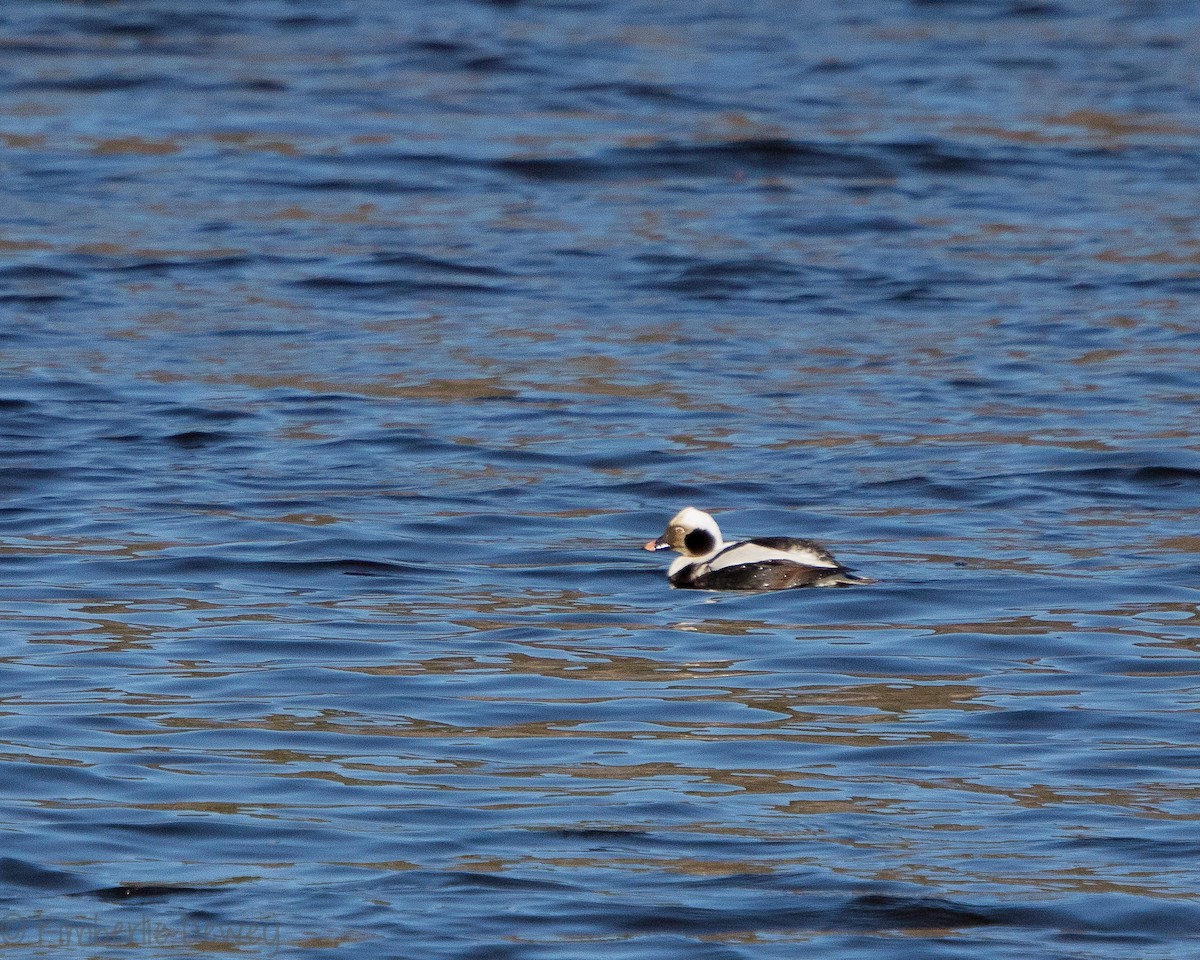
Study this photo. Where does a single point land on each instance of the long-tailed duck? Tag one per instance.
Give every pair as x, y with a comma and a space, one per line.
765, 563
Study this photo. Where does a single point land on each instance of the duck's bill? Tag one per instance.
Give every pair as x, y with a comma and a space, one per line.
659, 544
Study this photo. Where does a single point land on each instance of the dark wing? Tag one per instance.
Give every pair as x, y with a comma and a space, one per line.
763, 575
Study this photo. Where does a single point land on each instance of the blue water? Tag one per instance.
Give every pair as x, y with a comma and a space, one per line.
351, 350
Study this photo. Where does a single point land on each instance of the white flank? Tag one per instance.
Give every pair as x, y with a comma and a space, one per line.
740, 553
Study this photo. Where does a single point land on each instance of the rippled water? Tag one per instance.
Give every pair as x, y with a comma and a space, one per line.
351, 351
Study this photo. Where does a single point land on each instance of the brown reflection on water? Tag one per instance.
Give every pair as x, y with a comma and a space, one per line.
45, 545
578, 665
1084, 128
851, 714
472, 388
135, 145
359, 725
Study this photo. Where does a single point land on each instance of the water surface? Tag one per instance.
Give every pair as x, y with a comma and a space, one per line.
350, 352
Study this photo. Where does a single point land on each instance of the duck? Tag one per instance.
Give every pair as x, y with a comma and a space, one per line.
764, 563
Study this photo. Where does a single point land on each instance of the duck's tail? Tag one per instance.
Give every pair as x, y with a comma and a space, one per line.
842, 577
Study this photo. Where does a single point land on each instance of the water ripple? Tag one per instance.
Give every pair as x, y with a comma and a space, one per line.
352, 353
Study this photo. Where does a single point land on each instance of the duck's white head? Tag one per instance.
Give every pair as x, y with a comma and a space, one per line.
692, 532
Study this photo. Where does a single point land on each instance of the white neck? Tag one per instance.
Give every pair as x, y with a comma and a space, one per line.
680, 562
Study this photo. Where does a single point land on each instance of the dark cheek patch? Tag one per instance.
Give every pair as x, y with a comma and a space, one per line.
699, 541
